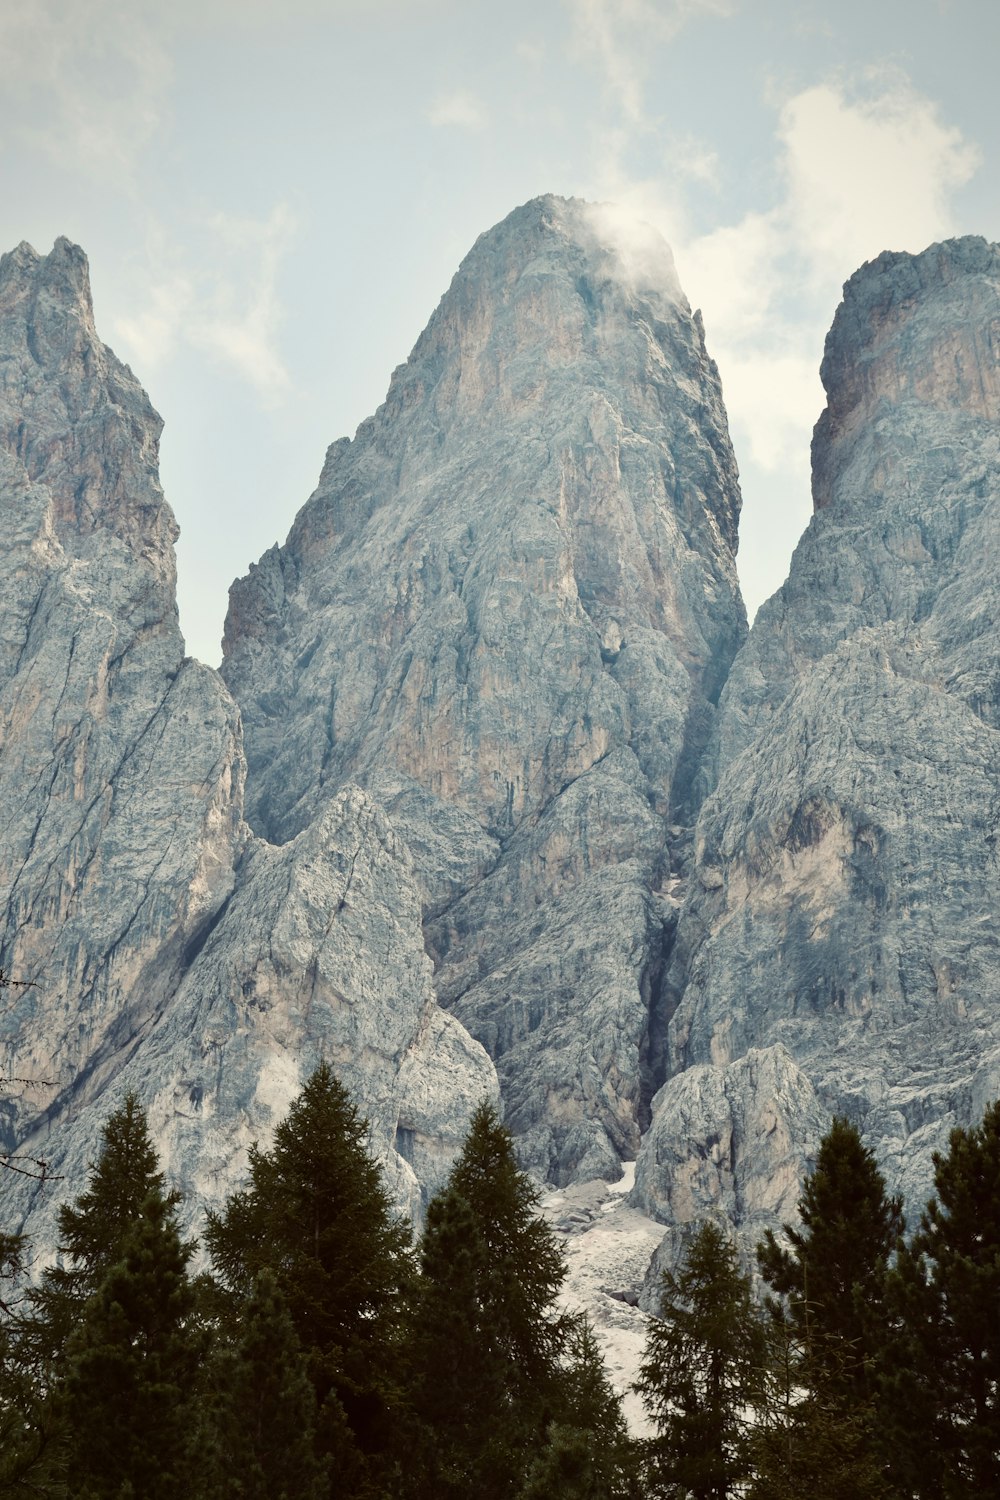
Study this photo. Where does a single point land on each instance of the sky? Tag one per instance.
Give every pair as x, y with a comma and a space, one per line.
274, 198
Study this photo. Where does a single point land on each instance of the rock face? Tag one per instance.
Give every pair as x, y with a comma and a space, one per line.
507, 612
844, 896
156, 942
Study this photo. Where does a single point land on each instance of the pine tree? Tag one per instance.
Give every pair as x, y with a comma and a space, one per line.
942, 1380
92, 1232
831, 1285
832, 1279
588, 1449
129, 1389
486, 1345
317, 1216
262, 1420
701, 1373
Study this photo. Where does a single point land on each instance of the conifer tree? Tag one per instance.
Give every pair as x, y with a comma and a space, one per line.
701, 1373
942, 1376
831, 1284
486, 1344
92, 1231
262, 1418
832, 1278
318, 1217
128, 1393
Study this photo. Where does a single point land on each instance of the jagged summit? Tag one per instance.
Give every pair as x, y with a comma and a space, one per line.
507, 612
846, 883
912, 331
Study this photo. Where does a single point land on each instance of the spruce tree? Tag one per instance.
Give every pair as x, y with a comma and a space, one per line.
831, 1283
92, 1232
261, 1437
486, 1344
942, 1377
701, 1373
832, 1278
317, 1216
129, 1390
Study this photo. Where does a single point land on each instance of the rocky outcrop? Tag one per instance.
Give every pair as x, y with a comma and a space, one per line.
844, 896
155, 942
507, 612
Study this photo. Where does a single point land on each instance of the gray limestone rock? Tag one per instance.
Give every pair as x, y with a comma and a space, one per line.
507, 610
845, 888
156, 943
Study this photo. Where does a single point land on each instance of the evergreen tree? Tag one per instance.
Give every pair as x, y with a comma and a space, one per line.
831, 1285
806, 1439
30, 1439
130, 1371
701, 1373
486, 1346
92, 1231
317, 1216
942, 1381
832, 1279
263, 1410
589, 1450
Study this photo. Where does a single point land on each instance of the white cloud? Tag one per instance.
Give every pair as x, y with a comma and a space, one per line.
869, 173
621, 37
84, 81
859, 172
232, 313
461, 108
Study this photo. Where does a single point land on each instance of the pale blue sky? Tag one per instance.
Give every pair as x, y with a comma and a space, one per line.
273, 198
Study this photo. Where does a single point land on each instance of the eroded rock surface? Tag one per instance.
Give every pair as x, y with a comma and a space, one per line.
156, 942
846, 885
507, 611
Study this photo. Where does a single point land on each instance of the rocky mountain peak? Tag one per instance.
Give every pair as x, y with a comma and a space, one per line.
507, 612
912, 330
74, 418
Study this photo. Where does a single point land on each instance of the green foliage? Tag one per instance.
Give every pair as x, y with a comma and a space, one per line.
262, 1410
128, 1394
832, 1279
824, 1432
942, 1381
701, 1373
92, 1232
317, 1216
485, 1345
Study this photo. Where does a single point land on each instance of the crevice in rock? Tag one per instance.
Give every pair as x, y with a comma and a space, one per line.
653, 1048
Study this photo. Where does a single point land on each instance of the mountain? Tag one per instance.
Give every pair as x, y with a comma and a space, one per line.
839, 929
507, 612
153, 941
494, 792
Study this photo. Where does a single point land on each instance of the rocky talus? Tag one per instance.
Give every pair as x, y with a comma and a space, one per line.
842, 913
156, 943
507, 612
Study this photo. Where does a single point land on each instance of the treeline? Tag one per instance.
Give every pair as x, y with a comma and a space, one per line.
323, 1356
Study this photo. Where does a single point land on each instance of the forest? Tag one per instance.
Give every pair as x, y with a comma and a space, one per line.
319, 1353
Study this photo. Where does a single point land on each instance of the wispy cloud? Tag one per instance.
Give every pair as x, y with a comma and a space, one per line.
84, 81
461, 108
619, 37
231, 313
861, 171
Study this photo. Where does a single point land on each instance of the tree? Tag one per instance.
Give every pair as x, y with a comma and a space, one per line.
317, 1216
833, 1278
701, 1373
129, 1391
263, 1410
93, 1230
588, 1454
486, 1344
831, 1285
942, 1379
